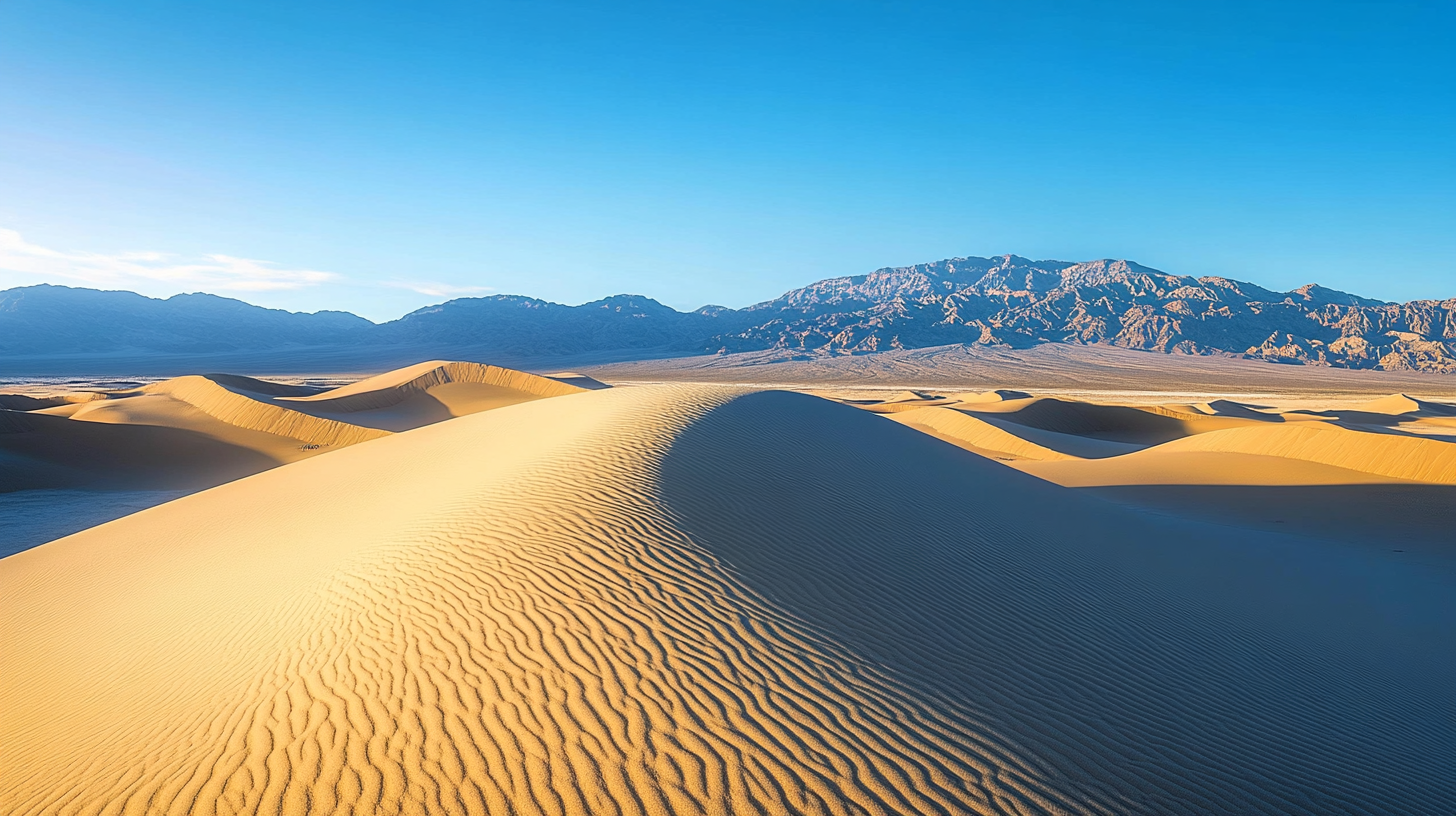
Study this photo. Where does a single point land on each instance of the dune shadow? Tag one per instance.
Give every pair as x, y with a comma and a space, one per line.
46, 452
1416, 518
1189, 671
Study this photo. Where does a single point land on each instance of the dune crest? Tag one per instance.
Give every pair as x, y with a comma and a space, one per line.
392, 387
197, 431
250, 413
961, 428
429, 392
1399, 457
697, 600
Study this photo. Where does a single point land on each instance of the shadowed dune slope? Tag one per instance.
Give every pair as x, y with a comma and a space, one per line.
1146, 425
693, 600
39, 452
577, 379
198, 431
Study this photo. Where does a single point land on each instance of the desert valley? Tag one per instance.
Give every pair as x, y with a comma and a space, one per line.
661, 587
641, 409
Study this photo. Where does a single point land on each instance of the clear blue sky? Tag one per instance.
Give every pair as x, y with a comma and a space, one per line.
382, 157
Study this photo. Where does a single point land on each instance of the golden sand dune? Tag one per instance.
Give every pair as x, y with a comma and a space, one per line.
1231, 408
1003, 439
692, 600
577, 379
430, 392
24, 402
1232, 444
39, 452
185, 433
900, 401
247, 411
1156, 466
1397, 404
1390, 455
194, 432
998, 395
1142, 425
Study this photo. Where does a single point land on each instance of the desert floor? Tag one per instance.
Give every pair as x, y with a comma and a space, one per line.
924, 582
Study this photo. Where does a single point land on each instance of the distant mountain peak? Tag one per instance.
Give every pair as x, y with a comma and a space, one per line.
1006, 300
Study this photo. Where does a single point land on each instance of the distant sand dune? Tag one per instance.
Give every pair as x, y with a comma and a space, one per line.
1397, 404
1400, 457
1231, 444
1141, 425
243, 411
989, 434
696, 600
198, 431
39, 451
429, 392
1157, 466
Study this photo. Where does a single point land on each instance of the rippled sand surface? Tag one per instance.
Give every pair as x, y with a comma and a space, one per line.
690, 599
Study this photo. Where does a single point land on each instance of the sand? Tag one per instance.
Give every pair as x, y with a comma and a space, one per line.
688, 599
1097, 373
432, 392
198, 431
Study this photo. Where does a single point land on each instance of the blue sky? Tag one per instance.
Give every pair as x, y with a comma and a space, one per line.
378, 158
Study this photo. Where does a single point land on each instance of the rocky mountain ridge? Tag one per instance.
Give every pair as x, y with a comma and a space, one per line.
1007, 301
1012, 301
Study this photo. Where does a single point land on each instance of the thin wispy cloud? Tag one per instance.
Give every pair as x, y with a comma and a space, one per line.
149, 270
434, 289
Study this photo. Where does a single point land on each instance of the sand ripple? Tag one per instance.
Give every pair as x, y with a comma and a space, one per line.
695, 600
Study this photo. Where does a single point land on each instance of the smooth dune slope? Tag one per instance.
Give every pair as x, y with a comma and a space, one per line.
186, 433
200, 430
38, 451
430, 392
691, 600
1399, 457
1290, 453
975, 433
248, 411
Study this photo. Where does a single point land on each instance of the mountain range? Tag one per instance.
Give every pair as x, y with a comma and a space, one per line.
1006, 301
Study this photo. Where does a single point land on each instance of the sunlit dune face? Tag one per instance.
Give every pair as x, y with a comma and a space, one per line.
688, 599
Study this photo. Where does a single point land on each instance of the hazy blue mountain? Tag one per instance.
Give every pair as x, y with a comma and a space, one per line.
1006, 301
38, 320
523, 326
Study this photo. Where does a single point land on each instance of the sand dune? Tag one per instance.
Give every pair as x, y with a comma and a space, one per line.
1157, 466
1399, 457
1220, 442
39, 451
246, 411
1057, 367
198, 431
996, 395
697, 600
1397, 404
577, 379
991, 435
1143, 425
185, 433
429, 392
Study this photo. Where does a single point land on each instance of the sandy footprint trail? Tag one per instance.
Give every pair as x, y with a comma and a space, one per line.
690, 600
